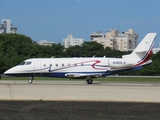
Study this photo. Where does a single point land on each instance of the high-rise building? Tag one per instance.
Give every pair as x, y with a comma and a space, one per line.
97, 34
125, 41
70, 41
7, 27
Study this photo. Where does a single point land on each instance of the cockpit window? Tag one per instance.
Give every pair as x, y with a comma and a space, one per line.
28, 63
22, 63
25, 63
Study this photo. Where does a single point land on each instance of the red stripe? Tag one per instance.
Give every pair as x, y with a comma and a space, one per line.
146, 59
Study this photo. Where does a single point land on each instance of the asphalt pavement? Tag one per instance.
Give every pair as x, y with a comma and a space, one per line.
68, 100
74, 110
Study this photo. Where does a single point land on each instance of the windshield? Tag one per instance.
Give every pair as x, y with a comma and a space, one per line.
22, 63
28, 63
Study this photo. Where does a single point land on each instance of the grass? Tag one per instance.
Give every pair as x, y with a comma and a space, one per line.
129, 79
35, 78
109, 79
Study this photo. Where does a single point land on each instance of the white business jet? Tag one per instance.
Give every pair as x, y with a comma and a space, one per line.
88, 68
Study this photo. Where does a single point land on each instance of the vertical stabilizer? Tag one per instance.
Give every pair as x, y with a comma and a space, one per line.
144, 50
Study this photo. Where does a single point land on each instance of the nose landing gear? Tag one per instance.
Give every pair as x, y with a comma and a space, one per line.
31, 79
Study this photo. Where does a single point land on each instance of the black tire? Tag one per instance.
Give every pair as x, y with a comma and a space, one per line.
89, 81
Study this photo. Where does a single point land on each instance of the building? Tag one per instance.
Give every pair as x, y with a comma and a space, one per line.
45, 43
97, 34
155, 50
70, 41
7, 27
113, 39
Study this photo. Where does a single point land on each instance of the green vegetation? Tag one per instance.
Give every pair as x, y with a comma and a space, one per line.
35, 78
14, 48
130, 79
106, 79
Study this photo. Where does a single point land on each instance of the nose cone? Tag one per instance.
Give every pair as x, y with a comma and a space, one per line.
6, 72
11, 72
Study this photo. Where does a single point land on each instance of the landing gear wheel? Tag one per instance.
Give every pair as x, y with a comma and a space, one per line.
89, 81
30, 81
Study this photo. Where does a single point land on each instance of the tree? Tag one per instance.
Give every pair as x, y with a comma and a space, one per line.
92, 49
58, 50
15, 48
74, 51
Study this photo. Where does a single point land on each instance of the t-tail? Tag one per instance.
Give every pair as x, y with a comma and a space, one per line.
143, 51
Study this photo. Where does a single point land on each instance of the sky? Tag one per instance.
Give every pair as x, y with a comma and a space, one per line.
53, 20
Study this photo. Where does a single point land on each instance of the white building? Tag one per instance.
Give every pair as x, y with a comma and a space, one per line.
155, 50
97, 34
7, 27
45, 43
70, 41
123, 42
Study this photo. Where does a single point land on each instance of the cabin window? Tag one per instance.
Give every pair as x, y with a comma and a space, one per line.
75, 64
50, 65
44, 65
81, 64
56, 65
28, 63
68, 64
22, 63
62, 64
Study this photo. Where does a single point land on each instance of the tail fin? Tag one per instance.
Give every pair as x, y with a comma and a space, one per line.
143, 51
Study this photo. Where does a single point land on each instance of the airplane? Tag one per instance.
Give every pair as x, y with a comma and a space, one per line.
86, 67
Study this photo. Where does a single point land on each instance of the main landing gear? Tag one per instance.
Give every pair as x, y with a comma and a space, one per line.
31, 79
89, 80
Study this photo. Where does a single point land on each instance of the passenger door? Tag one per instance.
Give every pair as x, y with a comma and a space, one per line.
37, 66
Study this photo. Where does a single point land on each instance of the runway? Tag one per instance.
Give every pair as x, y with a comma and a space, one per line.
80, 91
76, 100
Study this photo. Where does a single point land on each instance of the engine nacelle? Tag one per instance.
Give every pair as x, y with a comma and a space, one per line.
119, 63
